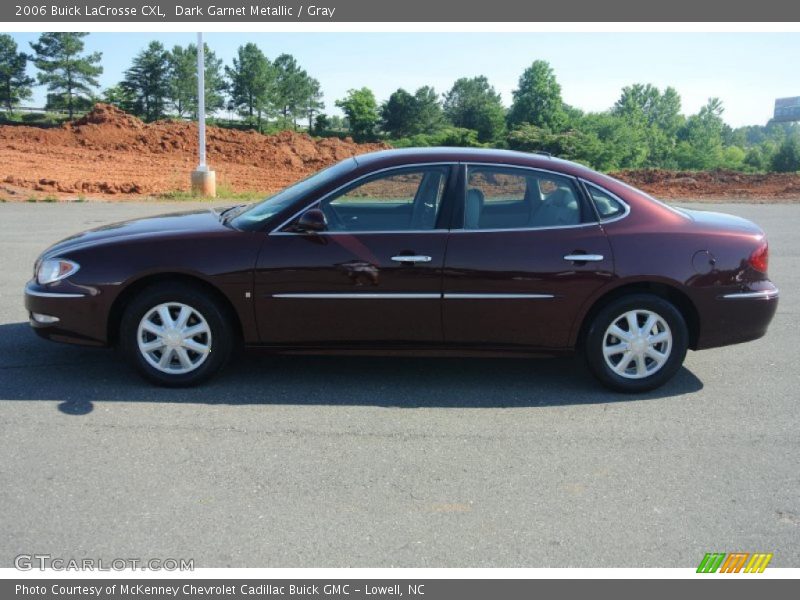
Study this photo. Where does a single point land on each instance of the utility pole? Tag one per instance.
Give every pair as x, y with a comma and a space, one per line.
204, 182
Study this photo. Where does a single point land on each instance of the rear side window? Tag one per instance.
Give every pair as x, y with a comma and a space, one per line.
607, 205
514, 198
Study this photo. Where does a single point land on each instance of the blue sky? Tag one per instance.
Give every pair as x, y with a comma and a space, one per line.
746, 70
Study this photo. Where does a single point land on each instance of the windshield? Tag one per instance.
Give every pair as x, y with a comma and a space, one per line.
258, 213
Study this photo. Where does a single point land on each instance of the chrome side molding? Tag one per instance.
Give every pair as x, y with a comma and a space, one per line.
764, 295
412, 259
362, 296
450, 296
584, 257
30, 292
412, 296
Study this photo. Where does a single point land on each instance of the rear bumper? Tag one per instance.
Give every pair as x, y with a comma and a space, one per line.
737, 316
66, 314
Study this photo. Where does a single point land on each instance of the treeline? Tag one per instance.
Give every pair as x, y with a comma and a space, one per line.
644, 129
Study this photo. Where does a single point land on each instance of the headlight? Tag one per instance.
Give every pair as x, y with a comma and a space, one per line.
55, 269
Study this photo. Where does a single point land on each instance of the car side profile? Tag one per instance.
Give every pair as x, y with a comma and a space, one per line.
446, 251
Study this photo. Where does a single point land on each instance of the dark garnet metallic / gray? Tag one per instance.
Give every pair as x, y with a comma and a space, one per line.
441, 251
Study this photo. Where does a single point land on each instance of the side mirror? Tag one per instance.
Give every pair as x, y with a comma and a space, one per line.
312, 221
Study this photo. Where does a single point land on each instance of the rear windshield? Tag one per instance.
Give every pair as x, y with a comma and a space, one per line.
259, 213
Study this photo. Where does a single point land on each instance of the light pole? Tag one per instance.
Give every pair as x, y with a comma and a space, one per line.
204, 182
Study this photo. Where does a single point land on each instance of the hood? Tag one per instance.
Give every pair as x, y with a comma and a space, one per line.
716, 221
151, 227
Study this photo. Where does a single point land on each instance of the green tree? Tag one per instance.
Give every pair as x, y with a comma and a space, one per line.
182, 79
362, 112
700, 139
291, 88
474, 104
119, 97
312, 100
404, 114
398, 114
252, 83
322, 123
655, 117
68, 74
15, 85
537, 99
787, 158
429, 117
215, 84
147, 82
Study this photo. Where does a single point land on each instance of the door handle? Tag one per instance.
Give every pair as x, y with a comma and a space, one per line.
584, 257
411, 258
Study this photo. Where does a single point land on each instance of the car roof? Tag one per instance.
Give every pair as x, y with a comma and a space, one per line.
399, 157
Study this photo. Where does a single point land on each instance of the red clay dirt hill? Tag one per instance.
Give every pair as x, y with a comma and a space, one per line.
111, 154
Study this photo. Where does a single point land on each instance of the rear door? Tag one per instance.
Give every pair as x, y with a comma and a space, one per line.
375, 275
527, 254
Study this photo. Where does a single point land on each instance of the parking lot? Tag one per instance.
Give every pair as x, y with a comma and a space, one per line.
369, 462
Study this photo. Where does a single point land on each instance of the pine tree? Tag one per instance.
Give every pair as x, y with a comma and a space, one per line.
15, 85
68, 74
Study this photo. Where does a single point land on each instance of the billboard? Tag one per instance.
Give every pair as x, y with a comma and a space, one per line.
787, 109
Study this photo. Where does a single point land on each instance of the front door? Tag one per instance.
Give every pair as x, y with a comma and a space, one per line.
529, 253
374, 276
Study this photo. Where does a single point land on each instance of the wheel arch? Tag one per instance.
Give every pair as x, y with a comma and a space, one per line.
134, 288
665, 290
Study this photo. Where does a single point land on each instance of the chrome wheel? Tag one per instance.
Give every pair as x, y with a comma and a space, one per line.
174, 338
637, 344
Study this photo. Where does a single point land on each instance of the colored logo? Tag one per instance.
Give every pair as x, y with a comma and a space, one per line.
735, 562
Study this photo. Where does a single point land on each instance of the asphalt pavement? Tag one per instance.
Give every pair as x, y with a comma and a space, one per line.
371, 462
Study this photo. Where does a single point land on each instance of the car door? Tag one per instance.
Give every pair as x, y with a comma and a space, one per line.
528, 253
373, 276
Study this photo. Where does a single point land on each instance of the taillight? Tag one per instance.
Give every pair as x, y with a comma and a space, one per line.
759, 259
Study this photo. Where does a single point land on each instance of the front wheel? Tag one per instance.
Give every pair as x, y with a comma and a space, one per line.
636, 343
176, 335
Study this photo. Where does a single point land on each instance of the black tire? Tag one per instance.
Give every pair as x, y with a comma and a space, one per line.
609, 314
220, 341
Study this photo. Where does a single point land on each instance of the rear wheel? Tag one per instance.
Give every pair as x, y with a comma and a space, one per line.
176, 335
636, 343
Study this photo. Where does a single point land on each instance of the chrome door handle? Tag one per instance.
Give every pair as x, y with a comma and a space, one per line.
584, 257
415, 258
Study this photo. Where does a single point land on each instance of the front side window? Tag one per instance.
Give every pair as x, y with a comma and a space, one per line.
512, 198
255, 215
397, 200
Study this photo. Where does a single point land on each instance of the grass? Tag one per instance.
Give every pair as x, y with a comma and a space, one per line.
36, 199
223, 193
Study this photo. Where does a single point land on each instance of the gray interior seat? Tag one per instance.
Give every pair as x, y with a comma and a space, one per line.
473, 208
558, 208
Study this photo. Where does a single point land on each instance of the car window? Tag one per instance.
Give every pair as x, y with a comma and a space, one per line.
512, 198
397, 200
608, 207
259, 213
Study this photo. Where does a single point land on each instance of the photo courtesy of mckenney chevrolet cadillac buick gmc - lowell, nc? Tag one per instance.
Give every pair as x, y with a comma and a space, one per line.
421, 251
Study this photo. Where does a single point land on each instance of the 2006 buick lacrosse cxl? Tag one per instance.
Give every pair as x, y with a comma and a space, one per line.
423, 251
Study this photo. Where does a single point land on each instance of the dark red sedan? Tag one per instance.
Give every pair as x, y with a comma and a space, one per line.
443, 251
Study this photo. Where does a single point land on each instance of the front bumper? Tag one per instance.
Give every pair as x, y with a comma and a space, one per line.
67, 313
736, 316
